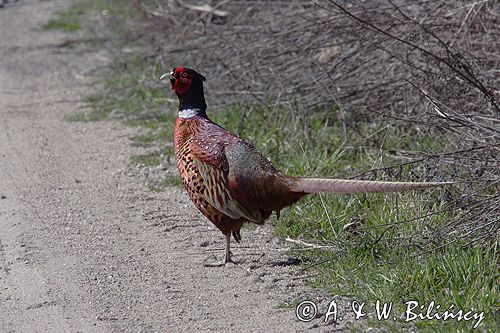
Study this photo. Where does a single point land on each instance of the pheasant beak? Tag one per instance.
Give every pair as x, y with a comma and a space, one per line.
164, 75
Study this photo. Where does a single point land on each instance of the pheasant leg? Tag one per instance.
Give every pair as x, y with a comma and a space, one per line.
227, 256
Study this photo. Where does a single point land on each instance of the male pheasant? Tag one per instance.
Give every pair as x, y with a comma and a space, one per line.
228, 180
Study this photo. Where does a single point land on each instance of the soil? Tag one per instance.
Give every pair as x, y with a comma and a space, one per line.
85, 245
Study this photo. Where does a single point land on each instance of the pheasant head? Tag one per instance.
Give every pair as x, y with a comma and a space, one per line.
188, 85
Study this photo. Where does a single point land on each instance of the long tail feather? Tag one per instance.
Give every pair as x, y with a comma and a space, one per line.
318, 185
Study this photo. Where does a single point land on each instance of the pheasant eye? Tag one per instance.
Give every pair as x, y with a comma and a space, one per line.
184, 74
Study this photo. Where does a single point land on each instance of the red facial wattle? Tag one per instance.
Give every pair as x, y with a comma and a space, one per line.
181, 80
181, 85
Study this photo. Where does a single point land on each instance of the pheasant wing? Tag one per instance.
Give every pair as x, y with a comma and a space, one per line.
210, 160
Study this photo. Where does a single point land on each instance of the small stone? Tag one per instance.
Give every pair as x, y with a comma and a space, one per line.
3, 196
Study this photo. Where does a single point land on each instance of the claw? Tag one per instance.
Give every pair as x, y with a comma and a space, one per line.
227, 260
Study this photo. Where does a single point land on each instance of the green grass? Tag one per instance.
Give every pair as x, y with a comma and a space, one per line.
85, 15
403, 248
62, 24
167, 181
151, 159
466, 278
129, 95
69, 20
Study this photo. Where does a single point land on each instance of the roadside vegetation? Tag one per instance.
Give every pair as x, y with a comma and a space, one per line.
325, 105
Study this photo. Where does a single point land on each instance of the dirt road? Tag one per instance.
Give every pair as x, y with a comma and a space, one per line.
84, 245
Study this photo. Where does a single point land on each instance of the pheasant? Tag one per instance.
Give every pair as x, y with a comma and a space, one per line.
228, 180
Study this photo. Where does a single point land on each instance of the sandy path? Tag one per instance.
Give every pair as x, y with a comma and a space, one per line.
84, 246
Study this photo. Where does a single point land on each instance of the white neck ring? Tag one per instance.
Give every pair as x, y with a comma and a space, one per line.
189, 113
